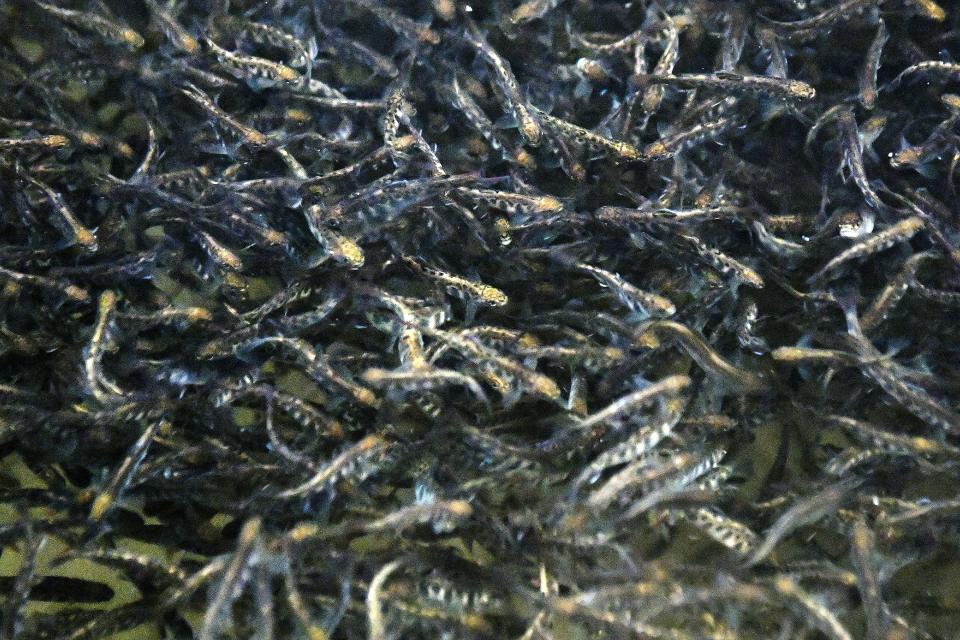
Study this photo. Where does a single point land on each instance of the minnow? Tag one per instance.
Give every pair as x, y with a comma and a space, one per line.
727, 82
635, 299
146, 166
529, 127
915, 155
462, 101
69, 290
672, 144
746, 328
409, 312
316, 366
893, 292
819, 615
732, 534
339, 247
863, 557
652, 332
477, 291
235, 576
931, 10
665, 215
410, 349
64, 218
618, 149
270, 35
933, 213
294, 166
97, 384
218, 253
172, 29
338, 43
250, 136
920, 510
295, 324
724, 263
296, 602
171, 315
344, 104
850, 458
868, 72
440, 511
680, 474
653, 95
635, 446
350, 462
626, 43
899, 232
513, 203
377, 157
193, 179
888, 376
772, 46
803, 512
55, 141
114, 33
314, 86
276, 442
849, 224
286, 297
383, 202
301, 411
594, 71
538, 383
376, 620
589, 357
470, 621
398, 23
777, 245
807, 354
422, 379
79, 136
171, 573
892, 442
643, 473
625, 408
941, 296
734, 39
820, 22
244, 66
530, 10
124, 473
395, 114
935, 68
26, 578
453, 596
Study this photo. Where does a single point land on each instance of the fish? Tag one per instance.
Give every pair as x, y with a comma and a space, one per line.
880, 241
803, 512
250, 136
246, 67
65, 219
111, 32
528, 124
121, 478
172, 29
728, 82
620, 150
871, 64
354, 461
